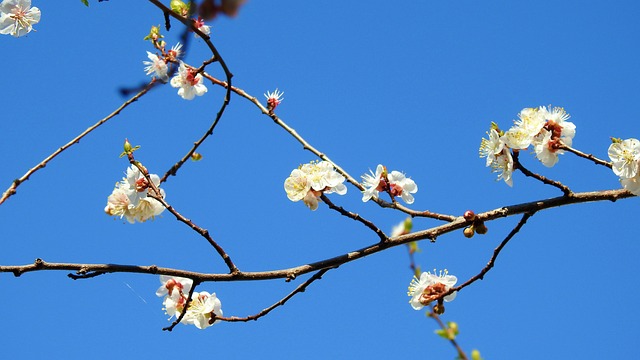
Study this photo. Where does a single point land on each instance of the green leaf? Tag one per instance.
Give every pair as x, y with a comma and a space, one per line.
85, 2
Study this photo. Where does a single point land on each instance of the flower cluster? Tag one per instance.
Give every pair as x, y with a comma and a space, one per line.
309, 181
17, 17
625, 158
395, 183
202, 310
130, 199
545, 129
430, 287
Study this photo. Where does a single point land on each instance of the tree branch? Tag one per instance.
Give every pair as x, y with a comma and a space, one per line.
12, 189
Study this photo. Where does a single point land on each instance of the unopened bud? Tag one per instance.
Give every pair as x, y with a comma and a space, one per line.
481, 228
438, 309
469, 215
179, 7
196, 156
468, 232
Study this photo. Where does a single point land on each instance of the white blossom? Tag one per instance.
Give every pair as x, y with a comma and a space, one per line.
201, 309
625, 157
544, 149
189, 83
525, 129
430, 286
632, 184
371, 183
156, 66
491, 147
274, 98
310, 180
503, 165
174, 286
129, 198
17, 17
402, 186
395, 182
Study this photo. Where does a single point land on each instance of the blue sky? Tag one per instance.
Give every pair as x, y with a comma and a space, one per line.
412, 85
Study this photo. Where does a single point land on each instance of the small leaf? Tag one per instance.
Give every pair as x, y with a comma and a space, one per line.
442, 333
85, 2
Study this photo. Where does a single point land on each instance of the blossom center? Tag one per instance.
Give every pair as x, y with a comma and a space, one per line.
431, 292
191, 77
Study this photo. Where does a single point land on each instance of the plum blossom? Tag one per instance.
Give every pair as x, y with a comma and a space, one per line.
491, 147
373, 183
310, 180
189, 82
395, 182
522, 133
17, 17
632, 184
402, 186
625, 156
175, 52
129, 198
274, 99
429, 287
201, 310
503, 165
174, 286
156, 66
557, 131
199, 23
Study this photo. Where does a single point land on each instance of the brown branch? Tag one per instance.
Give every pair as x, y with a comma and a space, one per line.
301, 288
518, 165
293, 272
586, 156
355, 217
12, 189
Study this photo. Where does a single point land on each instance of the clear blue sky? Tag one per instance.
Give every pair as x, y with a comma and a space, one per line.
412, 85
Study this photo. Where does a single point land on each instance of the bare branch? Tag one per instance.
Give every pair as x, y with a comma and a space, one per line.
586, 156
301, 288
355, 217
12, 189
293, 272
518, 165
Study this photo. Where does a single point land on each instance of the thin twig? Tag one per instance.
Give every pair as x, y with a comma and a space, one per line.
586, 156
202, 231
443, 326
301, 288
355, 217
12, 189
492, 261
518, 165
